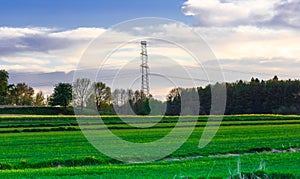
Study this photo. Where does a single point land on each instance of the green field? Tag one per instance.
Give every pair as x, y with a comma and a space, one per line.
54, 146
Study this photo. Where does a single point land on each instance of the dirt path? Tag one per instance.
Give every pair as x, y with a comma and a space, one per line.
291, 150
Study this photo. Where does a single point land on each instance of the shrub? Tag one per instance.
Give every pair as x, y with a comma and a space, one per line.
5, 166
37, 110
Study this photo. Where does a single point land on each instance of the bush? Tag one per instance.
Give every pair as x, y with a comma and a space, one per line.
37, 110
4, 166
86, 161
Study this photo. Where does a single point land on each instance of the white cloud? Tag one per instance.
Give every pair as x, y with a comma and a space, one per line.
245, 12
242, 48
248, 50
25, 60
235, 43
25, 68
79, 33
252, 42
11, 32
47, 49
255, 36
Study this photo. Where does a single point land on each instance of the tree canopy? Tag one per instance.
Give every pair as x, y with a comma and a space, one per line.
254, 97
102, 96
81, 91
24, 94
3, 85
62, 95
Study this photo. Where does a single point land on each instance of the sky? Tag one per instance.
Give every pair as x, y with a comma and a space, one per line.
70, 14
250, 38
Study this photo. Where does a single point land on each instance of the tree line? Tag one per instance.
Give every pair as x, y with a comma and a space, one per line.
82, 94
18, 94
253, 97
273, 96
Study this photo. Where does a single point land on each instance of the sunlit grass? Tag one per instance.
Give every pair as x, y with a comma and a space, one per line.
71, 152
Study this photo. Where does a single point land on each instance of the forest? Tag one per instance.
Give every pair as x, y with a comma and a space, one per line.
273, 96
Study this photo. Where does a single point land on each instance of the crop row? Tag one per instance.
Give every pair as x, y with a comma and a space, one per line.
279, 165
35, 147
117, 119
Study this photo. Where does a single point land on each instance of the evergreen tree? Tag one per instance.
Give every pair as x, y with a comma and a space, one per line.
62, 95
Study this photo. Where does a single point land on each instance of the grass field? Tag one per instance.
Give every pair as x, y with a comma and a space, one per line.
54, 146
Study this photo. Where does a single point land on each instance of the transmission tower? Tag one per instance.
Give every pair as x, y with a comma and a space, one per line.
145, 69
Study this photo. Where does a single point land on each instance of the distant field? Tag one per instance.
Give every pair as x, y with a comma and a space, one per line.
54, 146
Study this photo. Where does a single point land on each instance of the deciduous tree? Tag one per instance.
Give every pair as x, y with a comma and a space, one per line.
3, 85
102, 96
81, 91
39, 99
24, 94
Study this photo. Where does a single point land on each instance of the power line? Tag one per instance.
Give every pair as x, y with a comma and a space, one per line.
183, 78
242, 72
116, 67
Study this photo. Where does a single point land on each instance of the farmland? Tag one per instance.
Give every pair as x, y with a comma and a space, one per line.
55, 146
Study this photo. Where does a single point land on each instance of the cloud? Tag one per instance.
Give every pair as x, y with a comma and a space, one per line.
257, 37
251, 51
220, 13
15, 40
23, 60
44, 40
240, 48
79, 33
252, 42
43, 49
244, 51
287, 14
262, 68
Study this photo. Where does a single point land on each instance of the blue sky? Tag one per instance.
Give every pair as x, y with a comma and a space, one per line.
81, 13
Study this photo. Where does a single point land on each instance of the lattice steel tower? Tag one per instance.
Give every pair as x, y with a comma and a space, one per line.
145, 69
